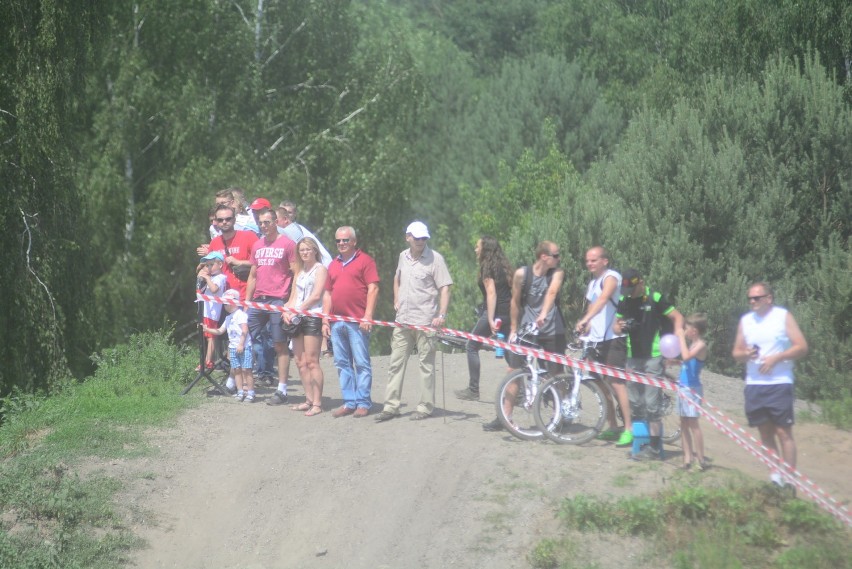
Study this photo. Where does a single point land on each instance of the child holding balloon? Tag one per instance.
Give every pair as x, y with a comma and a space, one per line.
693, 350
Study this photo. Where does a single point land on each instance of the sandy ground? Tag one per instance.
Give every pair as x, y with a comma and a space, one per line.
236, 485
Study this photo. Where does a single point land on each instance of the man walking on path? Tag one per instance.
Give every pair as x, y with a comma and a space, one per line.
645, 315
351, 289
768, 341
602, 295
421, 295
273, 264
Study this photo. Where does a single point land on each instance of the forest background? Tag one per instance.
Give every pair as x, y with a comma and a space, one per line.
705, 142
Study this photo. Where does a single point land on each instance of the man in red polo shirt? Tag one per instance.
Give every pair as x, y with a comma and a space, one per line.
351, 289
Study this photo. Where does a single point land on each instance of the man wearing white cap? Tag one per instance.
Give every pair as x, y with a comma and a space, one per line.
421, 295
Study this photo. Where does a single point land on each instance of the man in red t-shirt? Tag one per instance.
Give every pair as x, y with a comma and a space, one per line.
235, 247
351, 289
273, 263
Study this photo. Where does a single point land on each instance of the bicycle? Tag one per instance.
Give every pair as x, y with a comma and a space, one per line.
580, 413
517, 392
670, 419
574, 411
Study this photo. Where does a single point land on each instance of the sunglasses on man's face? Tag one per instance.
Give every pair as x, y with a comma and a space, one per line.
224, 219
339, 241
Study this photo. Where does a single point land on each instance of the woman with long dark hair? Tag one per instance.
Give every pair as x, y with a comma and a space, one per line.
495, 283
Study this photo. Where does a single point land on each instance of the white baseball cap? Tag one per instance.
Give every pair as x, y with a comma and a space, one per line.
418, 230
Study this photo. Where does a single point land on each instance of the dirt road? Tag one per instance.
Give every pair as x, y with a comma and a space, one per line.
237, 485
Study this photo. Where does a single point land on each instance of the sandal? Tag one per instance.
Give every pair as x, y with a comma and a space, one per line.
419, 416
314, 410
306, 406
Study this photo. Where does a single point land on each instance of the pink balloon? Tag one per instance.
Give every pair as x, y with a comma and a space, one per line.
670, 346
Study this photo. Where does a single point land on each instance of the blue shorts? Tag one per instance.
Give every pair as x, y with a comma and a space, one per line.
769, 403
688, 401
240, 361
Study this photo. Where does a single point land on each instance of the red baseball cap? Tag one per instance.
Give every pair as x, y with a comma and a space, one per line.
260, 203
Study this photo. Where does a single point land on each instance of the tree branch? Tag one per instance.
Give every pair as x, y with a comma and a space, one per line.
32, 271
242, 14
298, 29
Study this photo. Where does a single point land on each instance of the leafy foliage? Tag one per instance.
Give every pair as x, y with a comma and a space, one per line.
705, 142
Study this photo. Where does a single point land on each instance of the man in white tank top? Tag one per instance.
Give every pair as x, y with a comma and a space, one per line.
768, 341
602, 295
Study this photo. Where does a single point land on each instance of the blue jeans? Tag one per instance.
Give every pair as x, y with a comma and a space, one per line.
352, 359
264, 354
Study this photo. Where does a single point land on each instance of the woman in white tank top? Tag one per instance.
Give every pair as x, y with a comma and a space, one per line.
306, 295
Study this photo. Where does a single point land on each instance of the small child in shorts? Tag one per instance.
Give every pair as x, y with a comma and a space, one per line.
693, 350
239, 346
215, 282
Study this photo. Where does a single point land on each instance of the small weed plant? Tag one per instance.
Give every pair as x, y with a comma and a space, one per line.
53, 517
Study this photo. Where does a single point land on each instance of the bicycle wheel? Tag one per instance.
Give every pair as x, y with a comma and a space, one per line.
670, 418
568, 420
514, 403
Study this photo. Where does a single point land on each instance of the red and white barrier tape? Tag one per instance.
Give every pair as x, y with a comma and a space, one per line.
744, 439
723, 422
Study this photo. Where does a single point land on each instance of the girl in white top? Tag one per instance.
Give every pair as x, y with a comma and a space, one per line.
307, 340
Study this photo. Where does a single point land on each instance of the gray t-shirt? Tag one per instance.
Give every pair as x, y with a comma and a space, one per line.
554, 325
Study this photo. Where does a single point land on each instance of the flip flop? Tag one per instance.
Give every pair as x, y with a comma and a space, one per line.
314, 410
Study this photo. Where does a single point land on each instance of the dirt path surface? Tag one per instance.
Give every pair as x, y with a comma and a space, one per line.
237, 485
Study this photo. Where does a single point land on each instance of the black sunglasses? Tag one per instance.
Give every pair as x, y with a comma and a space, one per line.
224, 219
342, 240
756, 298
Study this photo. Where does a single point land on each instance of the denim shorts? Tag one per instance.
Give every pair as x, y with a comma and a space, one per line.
688, 401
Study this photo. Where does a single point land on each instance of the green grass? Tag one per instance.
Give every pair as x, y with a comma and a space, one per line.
838, 412
729, 522
52, 516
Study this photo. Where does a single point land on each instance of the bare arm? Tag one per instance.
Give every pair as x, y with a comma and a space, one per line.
550, 297
698, 349
241, 346
372, 297
610, 285
515, 307
291, 301
677, 319
251, 283
490, 301
326, 309
443, 304
214, 331
741, 352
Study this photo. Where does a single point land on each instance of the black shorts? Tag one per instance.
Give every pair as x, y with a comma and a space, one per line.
769, 403
613, 353
309, 326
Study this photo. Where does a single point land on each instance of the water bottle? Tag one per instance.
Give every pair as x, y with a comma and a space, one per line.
498, 351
